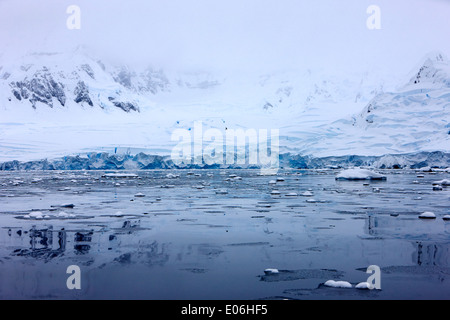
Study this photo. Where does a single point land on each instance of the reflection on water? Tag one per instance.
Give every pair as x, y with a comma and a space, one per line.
185, 242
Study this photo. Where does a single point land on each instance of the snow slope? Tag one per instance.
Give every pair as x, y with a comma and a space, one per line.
54, 105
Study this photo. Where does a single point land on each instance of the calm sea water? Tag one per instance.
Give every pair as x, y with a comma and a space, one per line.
153, 237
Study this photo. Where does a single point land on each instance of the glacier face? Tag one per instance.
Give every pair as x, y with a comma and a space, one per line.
56, 105
142, 161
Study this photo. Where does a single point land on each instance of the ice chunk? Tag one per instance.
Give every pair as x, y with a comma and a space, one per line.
272, 182
446, 217
119, 214
271, 271
222, 191
444, 182
63, 214
338, 284
120, 175
427, 215
359, 174
307, 194
36, 215
139, 195
292, 194
275, 193
363, 286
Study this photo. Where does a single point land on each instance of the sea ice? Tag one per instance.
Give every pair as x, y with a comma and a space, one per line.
427, 215
359, 174
338, 284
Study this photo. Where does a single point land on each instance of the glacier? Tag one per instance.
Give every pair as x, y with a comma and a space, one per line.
142, 161
66, 107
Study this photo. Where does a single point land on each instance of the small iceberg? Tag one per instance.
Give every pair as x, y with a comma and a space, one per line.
275, 193
359, 174
119, 214
64, 215
271, 271
120, 175
446, 218
427, 215
307, 194
338, 284
139, 195
363, 286
445, 183
292, 194
35, 215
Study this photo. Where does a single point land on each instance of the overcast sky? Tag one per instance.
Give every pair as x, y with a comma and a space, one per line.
234, 34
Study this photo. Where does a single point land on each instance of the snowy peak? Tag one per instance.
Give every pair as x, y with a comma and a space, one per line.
435, 70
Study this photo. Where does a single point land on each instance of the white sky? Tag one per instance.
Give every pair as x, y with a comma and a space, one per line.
257, 35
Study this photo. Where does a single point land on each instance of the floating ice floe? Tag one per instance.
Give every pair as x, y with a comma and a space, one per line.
272, 182
446, 218
280, 180
444, 182
63, 214
427, 215
363, 286
172, 176
437, 188
119, 214
359, 174
338, 284
292, 194
36, 180
271, 271
307, 194
275, 193
139, 195
35, 215
222, 191
120, 175
415, 182
312, 201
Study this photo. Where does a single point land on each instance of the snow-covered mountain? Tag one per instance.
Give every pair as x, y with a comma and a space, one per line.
59, 104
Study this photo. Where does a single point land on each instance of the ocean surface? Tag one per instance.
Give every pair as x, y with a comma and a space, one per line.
211, 234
